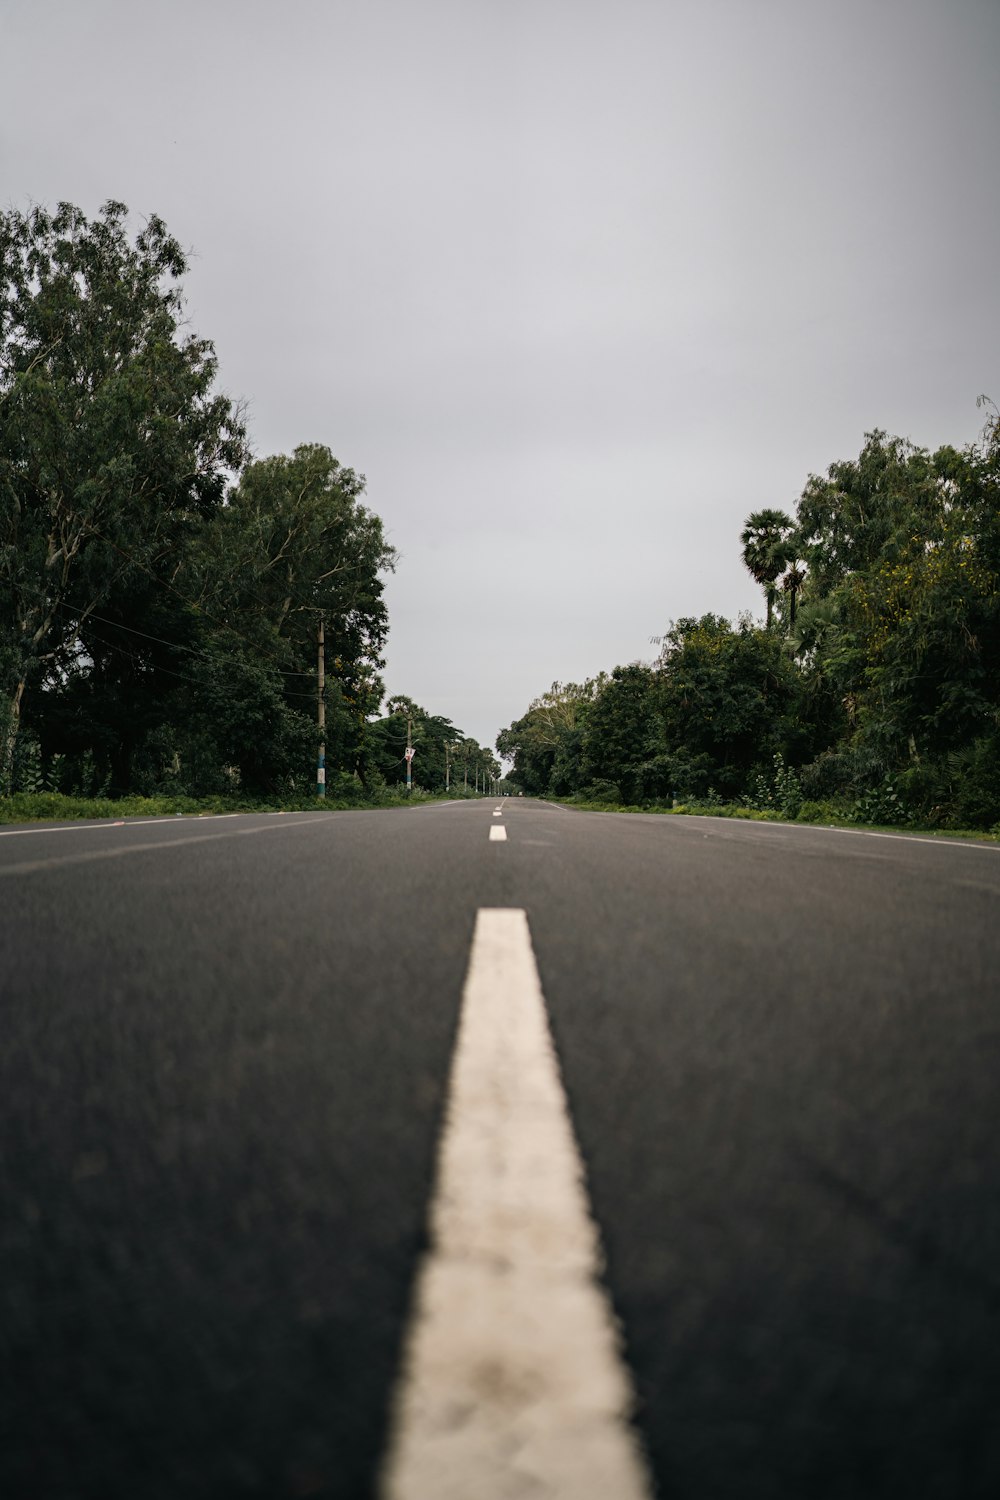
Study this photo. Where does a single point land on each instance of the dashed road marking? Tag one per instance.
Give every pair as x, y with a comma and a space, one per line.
498, 833
512, 1382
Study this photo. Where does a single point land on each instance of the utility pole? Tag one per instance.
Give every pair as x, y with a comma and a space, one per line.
321, 708
447, 768
409, 754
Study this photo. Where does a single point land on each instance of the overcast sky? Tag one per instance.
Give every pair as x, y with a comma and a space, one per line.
577, 284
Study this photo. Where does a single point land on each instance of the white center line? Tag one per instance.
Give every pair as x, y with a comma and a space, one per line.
498, 812
513, 1383
498, 833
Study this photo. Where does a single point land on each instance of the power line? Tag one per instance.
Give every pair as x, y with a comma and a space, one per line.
116, 646
200, 608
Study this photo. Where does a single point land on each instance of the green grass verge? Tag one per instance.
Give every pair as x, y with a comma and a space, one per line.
40, 807
821, 814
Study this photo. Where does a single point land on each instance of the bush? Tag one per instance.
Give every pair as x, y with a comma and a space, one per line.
822, 812
777, 789
976, 772
345, 786
883, 803
27, 765
600, 791
844, 772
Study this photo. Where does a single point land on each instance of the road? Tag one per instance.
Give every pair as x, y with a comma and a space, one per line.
226, 1054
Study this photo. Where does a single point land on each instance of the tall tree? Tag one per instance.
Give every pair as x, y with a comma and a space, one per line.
765, 540
728, 697
624, 731
546, 743
293, 545
114, 443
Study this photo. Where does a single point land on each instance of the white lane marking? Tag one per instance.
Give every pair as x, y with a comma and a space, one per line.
171, 818
749, 824
906, 838
512, 1382
498, 812
498, 833
55, 861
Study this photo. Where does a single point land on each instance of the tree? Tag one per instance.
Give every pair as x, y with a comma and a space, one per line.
765, 540
114, 445
624, 732
293, 545
727, 698
436, 741
546, 743
859, 514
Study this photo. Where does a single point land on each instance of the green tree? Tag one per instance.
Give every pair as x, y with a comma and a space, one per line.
900, 609
767, 550
862, 511
442, 752
624, 733
294, 545
546, 743
114, 444
728, 700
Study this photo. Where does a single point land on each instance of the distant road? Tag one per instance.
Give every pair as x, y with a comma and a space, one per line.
225, 1059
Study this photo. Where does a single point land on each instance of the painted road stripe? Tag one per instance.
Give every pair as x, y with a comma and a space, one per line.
498, 833
512, 1381
57, 861
927, 840
13, 833
498, 812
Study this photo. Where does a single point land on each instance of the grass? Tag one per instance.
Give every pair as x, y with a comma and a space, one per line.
816, 814
39, 807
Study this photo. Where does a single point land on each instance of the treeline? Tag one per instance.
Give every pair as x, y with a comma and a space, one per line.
444, 759
871, 688
160, 588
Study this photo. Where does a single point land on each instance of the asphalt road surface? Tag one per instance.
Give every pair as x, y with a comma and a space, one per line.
224, 1065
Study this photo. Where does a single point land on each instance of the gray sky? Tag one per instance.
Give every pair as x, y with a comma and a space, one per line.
577, 284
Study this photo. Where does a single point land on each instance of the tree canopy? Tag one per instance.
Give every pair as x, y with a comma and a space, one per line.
874, 677
161, 588
115, 445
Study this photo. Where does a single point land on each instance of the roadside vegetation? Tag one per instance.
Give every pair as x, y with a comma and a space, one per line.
164, 592
818, 814
33, 807
869, 693
162, 587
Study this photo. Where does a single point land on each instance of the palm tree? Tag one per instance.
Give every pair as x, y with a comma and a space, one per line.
765, 539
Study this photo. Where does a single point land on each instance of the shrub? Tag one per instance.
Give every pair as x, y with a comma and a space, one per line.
821, 812
27, 768
883, 803
976, 772
775, 790
600, 791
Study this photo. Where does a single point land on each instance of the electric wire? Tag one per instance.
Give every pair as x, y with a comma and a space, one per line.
194, 604
168, 671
